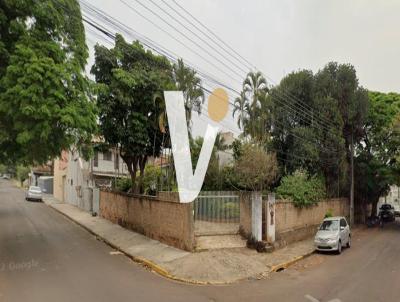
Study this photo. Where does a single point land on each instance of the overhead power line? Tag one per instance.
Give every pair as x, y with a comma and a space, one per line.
104, 31
245, 62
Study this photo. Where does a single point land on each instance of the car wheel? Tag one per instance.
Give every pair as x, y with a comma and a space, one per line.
349, 242
339, 248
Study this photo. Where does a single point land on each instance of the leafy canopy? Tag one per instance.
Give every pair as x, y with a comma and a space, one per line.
377, 165
130, 100
44, 107
256, 169
302, 189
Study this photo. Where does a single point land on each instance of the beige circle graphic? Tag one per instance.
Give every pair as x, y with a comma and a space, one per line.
218, 103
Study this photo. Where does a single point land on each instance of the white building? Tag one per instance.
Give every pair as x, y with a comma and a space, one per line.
393, 197
225, 157
75, 178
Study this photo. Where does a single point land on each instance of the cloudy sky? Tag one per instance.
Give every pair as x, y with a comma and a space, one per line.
275, 36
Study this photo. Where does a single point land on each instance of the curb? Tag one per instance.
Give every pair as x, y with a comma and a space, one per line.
163, 272
285, 265
143, 261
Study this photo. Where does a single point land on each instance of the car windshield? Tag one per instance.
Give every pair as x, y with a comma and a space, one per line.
35, 189
330, 225
386, 207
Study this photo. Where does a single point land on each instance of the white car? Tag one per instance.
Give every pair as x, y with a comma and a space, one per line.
34, 193
333, 234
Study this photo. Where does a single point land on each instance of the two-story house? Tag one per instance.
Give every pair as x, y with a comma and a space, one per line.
75, 178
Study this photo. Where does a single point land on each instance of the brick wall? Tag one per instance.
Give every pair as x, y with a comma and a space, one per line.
293, 224
168, 222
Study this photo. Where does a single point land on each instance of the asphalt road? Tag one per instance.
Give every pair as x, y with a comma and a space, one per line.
46, 257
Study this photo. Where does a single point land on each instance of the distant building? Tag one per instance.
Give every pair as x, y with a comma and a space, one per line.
393, 197
38, 171
75, 178
225, 157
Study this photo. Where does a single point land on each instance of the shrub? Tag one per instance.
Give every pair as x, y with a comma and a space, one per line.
123, 184
256, 169
329, 213
22, 173
151, 178
302, 189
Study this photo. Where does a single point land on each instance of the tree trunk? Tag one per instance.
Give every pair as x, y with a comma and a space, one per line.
142, 165
374, 207
363, 211
131, 163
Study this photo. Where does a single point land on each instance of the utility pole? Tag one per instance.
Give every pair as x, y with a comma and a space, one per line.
352, 181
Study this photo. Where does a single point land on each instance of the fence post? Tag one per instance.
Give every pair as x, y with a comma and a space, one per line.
270, 218
256, 215
96, 201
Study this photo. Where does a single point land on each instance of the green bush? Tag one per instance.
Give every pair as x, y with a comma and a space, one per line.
329, 213
22, 173
123, 184
151, 178
302, 189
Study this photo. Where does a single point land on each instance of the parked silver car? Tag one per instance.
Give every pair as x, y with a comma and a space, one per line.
34, 193
333, 234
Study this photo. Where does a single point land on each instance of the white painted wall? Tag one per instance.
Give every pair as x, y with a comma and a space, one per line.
108, 166
392, 198
79, 183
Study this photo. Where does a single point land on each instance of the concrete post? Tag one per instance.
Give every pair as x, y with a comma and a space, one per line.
256, 215
96, 201
270, 218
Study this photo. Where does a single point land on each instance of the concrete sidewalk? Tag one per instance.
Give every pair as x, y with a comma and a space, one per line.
206, 267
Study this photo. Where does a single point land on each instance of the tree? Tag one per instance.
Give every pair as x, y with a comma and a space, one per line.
339, 83
186, 80
131, 81
44, 104
252, 107
293, 135
376, 163
240, 107
22, 173
256, 169
313, 121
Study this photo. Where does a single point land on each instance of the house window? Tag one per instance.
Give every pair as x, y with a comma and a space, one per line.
116, 162
96, 159
107, 155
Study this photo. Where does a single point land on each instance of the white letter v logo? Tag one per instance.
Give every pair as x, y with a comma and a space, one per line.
189, 184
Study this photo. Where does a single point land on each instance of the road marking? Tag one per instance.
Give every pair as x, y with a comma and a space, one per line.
312, 299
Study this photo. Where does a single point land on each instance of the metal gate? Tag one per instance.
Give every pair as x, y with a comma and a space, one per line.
217, 213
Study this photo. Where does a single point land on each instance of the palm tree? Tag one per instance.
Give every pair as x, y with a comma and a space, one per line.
239, 106
186, 80
255, 88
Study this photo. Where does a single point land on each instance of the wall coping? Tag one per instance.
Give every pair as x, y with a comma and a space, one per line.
341, 199
139, 196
